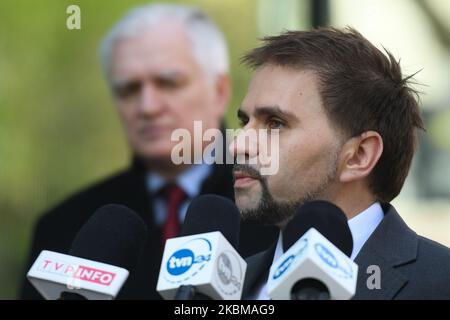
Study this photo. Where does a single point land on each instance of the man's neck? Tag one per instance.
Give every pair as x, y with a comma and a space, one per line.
354, 200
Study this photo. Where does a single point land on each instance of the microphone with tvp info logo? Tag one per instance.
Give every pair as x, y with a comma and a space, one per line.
203, 262
316, 266
103, 252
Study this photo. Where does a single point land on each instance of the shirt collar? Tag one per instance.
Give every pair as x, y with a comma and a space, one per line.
190, 180
279, 248
363, 225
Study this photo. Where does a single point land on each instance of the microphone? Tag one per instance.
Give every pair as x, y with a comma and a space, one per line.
203, 262
97, 265
316, 264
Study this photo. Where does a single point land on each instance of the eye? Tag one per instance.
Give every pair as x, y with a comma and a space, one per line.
127, 90
171, 81
274, 123
169, 84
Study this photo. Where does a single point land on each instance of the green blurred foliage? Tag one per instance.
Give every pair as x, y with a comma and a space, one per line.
59, 131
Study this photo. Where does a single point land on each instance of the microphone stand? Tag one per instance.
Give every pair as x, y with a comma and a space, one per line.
188, 292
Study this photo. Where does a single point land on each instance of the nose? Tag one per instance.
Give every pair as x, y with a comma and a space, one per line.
151, 101
244, 146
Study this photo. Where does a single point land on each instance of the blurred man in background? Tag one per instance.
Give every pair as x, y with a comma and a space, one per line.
167, 66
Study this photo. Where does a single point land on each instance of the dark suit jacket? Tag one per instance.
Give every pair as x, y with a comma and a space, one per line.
56, 229
412, 267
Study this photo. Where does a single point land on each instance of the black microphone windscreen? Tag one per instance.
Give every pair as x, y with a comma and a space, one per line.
208, 213
114, 234
326, 218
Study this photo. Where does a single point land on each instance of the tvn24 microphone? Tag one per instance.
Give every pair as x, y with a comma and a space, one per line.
103, 252
203, 262
316, 266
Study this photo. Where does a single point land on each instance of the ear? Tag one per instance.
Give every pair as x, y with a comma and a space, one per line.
223, 93
360, 155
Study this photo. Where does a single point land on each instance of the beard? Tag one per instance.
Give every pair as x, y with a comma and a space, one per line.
270, 211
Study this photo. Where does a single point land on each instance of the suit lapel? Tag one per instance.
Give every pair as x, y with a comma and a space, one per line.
391, 245
136, 196
258, 267
392, 280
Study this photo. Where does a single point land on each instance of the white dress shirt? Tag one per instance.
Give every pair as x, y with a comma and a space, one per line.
361, 227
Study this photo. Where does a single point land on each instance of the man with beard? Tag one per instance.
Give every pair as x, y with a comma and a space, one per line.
347, 121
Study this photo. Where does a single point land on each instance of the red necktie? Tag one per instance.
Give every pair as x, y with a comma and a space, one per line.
173, 196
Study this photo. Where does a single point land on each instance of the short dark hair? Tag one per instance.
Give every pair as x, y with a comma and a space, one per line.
361, 88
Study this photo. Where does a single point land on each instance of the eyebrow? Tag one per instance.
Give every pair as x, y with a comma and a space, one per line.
169, 75
269, 111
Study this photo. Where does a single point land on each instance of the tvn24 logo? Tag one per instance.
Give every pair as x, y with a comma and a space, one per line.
188, 260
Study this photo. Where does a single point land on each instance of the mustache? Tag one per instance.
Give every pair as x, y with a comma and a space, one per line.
248, 170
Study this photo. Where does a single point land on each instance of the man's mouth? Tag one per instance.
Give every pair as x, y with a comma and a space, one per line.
242, 179
153, 131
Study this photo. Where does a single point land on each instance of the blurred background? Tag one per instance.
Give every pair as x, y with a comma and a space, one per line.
59, 130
